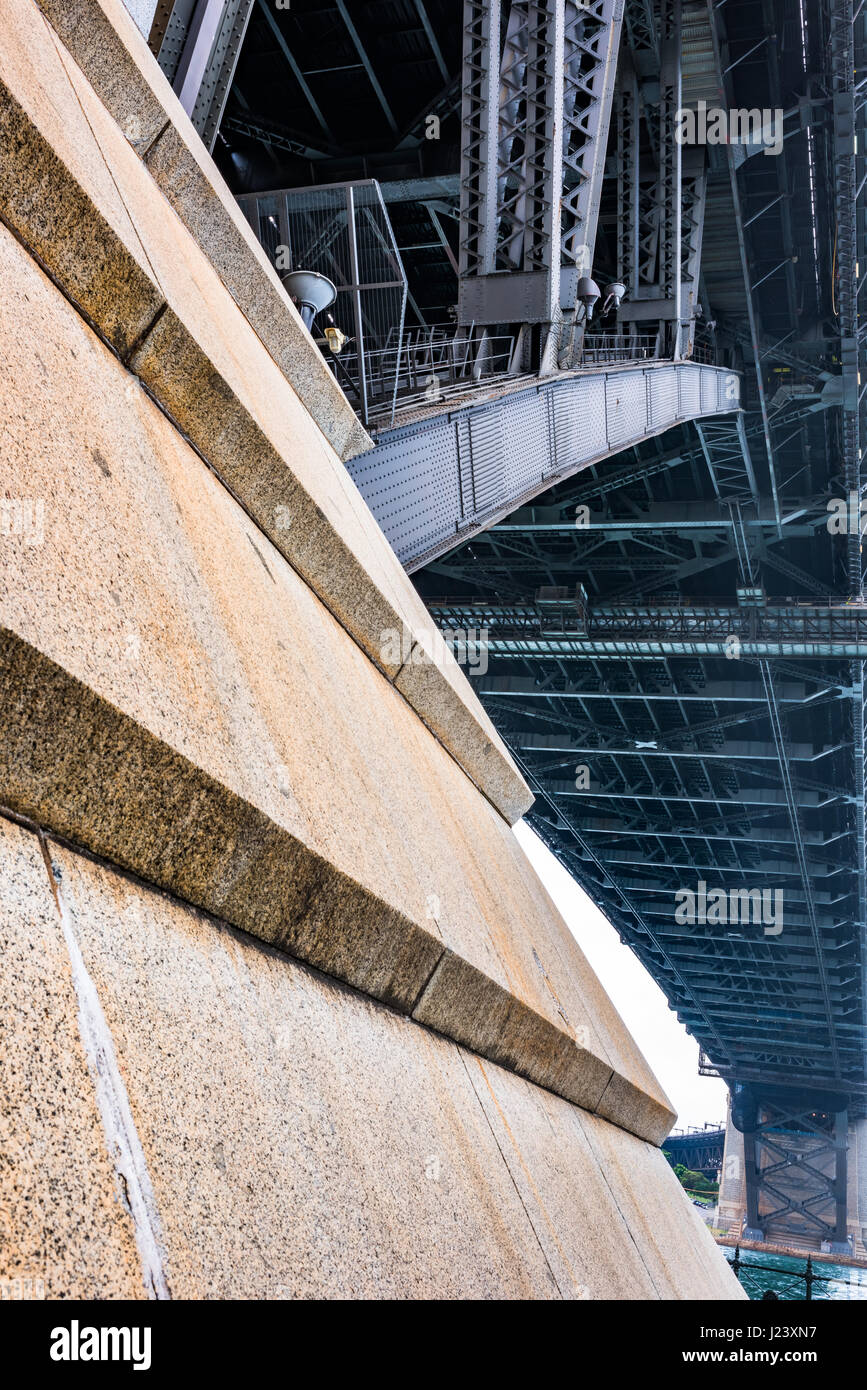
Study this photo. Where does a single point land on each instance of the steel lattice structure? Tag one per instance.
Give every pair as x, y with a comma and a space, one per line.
536, 110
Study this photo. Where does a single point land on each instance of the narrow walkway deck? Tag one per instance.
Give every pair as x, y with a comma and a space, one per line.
455, 469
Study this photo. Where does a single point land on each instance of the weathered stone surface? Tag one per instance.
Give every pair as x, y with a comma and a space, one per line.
64, 1229
609, 1212
178, 700
304, 1141
432, 682
47, 202
634, 1108
82, 201
672, 1239
564, 1190
301, 1140
73, 761
119, 66
466, 1005
471, 1008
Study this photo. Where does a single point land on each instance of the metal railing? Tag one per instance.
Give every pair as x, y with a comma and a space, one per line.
808, 1276
343, 231
607, 348
706, 354
423, 367
610, 348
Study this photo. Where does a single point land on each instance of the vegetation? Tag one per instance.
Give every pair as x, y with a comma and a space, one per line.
696, 1184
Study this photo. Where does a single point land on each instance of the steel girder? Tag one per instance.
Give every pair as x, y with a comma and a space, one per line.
848, 54
670, 168
557, 627
694, 814
660, 213
700, 1152
702, 767
804, 518
197, 43
716, 18
691, 687
795, 1167
592, 41
642, 29
794, 793
694, 199
531, 199
530, 165
479, 137
627, 113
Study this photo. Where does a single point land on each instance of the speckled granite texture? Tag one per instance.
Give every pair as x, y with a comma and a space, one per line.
177, 699
299, 1139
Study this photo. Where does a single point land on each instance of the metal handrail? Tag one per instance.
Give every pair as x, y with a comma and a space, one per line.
808, 1276
424, 363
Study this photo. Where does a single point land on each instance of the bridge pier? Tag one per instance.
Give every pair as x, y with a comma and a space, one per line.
794, 1173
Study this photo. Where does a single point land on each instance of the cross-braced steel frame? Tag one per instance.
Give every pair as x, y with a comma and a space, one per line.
537, 96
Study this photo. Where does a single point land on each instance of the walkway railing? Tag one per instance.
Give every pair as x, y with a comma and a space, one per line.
422, 367
808, 1276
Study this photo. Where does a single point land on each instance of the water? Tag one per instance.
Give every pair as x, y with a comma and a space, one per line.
783, 1281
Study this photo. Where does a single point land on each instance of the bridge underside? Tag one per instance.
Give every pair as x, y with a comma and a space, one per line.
674, 641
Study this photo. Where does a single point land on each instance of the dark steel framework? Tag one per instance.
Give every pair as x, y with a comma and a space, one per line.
701, 1151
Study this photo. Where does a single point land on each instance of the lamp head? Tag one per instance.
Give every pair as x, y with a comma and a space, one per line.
310, 291
588, 294
614, 293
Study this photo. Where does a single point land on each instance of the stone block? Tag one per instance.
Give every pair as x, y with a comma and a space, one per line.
65, 1231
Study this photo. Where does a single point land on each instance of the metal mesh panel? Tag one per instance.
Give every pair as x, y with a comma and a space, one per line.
412, 487
708, 392
438, 477
588, 429
662, 396
343, 231
626, 407
527, 444
690, 393
488, 454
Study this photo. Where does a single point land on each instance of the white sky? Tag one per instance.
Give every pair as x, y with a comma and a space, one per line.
669, 1049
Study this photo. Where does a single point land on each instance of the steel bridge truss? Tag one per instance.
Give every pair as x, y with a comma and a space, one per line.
197, 43
699, 1150
530, 199
795, 1167
695, 749
661, 187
